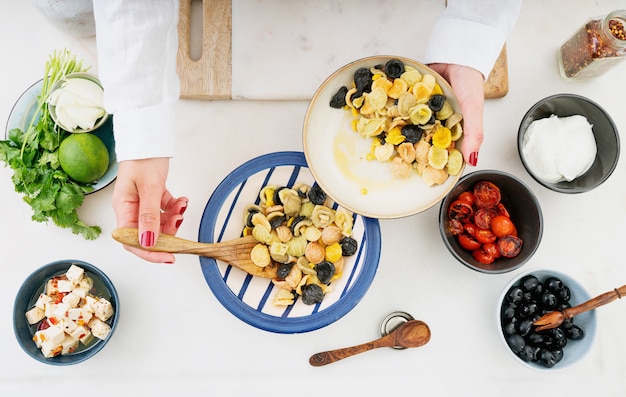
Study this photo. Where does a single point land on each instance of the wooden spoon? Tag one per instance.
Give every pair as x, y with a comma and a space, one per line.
556, 318
234, 252
413, 333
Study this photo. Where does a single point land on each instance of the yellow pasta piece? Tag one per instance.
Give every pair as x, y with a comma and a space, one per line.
411, 75
333, 252
429, 81
420, 114
372, 153
311, 233
262, 234
437, 157
357, 102
370, 127
455, 162
398, 87
437, 90
442, 137
433, 176
283, 297
296, 246
406, 101
383, 152
394, 136
260, 255
422, 92
374, 101
456, 132
445, 112
383, 83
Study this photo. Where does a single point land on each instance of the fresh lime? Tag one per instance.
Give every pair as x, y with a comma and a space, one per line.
84, 157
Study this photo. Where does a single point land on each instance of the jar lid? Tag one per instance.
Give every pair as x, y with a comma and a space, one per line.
393, 321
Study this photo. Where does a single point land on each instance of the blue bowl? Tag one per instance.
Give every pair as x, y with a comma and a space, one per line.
574, 350
28, 294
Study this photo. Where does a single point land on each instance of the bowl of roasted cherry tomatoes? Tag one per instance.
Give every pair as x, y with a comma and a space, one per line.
491, 222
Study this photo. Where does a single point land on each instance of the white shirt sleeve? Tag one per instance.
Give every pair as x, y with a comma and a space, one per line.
472, 33
137, 42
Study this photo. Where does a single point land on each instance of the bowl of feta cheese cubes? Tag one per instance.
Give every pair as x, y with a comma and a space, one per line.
65, 312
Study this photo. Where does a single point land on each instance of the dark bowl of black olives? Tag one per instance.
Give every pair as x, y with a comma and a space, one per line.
491, 222
529, 296
568, 143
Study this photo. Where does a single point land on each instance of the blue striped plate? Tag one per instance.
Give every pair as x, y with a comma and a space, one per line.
250, 298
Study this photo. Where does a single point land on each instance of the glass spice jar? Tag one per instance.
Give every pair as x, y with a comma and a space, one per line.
595, 48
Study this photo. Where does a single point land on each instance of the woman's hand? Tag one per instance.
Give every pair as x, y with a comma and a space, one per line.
468, 85
141, 200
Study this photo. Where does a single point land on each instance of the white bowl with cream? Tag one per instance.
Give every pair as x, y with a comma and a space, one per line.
568, 143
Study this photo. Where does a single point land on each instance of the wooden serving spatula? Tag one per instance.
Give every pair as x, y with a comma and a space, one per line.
234, 252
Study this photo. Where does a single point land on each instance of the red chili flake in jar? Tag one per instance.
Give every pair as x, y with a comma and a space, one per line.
595, 48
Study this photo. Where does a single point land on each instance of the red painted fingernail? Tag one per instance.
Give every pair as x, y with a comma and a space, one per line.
182, 210
473, 159
178, 222
147, 239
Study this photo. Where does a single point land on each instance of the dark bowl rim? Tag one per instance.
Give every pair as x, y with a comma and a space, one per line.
80, 356
443, 216
549, 185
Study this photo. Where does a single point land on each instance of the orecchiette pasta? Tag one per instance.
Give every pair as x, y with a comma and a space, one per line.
300, 236
408, 99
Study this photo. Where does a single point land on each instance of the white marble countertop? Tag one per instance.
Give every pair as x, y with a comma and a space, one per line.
188, 342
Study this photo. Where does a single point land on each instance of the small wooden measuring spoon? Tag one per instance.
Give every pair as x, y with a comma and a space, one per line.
413, 333
556, 318
234, 252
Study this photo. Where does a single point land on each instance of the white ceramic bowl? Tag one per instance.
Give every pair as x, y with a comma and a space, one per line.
336, 154
59, 84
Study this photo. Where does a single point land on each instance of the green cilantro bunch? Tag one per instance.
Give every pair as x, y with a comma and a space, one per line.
33, 156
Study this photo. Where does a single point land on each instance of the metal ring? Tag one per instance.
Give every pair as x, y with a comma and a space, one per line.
393, 321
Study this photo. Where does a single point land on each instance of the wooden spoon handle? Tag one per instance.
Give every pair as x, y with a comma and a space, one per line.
177, 245
328, 357
598, 301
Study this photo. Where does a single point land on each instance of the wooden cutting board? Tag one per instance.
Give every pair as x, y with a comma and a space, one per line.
209, 75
